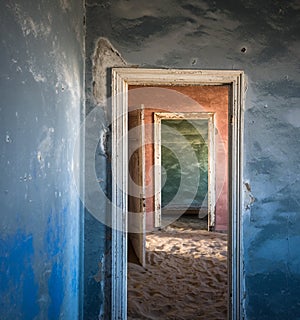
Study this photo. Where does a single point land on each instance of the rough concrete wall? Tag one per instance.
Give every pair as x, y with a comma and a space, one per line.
41, 80
261, 38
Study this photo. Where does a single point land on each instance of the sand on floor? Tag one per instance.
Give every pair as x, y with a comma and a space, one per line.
185, 276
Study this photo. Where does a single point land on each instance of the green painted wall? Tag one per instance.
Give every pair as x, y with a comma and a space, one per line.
184, 155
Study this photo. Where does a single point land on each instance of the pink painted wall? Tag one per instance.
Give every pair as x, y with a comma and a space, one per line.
187, 99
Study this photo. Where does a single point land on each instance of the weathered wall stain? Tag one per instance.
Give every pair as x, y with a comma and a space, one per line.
29, 26
41, 105
261, 38
41, 79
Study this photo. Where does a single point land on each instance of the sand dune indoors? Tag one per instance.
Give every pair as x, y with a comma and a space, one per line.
185, 275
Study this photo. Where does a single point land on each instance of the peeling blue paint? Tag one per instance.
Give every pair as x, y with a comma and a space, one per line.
41, 81
55, 238
18, 286
42, 90
55, 243
74, 273
56, 290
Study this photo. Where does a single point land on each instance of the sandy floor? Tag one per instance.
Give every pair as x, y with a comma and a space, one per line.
185, 275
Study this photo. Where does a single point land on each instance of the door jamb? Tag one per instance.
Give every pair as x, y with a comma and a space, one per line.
121, 79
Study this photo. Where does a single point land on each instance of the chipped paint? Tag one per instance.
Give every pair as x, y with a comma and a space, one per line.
40, 209
248, 196
28, 25
38, 77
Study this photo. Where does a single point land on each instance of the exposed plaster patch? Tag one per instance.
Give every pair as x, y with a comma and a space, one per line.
8, 139
249, 199
103, 143
68, 76
38, 77
28, 25
45, 147
105, 57
194, 61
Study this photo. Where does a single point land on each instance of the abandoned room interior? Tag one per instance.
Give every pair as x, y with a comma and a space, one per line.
150, 159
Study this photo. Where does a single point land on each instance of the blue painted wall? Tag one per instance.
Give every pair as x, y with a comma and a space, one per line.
41, 103
261, 38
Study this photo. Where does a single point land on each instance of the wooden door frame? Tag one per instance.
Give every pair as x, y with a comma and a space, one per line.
210, 116
121, 79
136, 216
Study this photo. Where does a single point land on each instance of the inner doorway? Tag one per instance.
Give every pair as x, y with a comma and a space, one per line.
184, 149
184, 145
122, 78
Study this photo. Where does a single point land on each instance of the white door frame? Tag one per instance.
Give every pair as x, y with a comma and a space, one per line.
121, 79
209, 116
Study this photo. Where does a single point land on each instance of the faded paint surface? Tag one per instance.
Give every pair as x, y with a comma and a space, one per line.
41, 80
261, 38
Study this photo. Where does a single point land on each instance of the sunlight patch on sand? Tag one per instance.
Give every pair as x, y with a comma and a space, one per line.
185, 276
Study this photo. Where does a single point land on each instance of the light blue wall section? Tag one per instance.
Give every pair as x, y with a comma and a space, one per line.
41, 102
261, 38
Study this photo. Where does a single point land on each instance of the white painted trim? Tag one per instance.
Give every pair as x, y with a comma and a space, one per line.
158, 116
211, 172
157, 170
119, 206
122, 77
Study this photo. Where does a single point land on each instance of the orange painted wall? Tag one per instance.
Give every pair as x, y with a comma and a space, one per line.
187, 99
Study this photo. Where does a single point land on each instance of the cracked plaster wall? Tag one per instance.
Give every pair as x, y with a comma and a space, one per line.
261, 38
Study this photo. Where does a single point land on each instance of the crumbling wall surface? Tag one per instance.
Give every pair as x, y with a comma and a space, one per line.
41, 81
261, 38
97, 254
